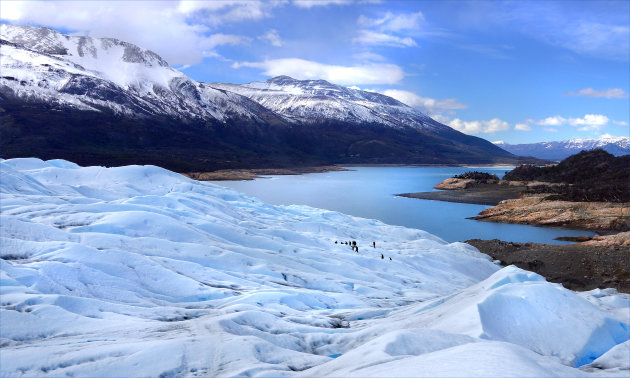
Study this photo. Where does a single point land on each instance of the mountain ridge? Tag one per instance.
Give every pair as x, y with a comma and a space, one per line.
558, 150
108, 102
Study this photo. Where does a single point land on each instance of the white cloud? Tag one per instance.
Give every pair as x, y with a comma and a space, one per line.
475, 127
272, 37
552, 121
368, 37
608, 136
586, 123
600, 31
597, 39
344, 75
386, 31
551, 129
522, 127
605, 93
369, 56
224, 39
319, 3
428, 105
620, 123
177, 31
392, 22
590, 122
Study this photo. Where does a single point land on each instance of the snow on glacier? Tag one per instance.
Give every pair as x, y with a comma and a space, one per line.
139, 271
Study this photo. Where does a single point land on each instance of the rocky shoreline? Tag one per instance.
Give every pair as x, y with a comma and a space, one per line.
535, 209
466, 191
579, 267
601, 261
510, 205
251, 174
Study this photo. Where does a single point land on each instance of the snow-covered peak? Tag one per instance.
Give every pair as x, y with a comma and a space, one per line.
559, 150
40, 64
623, 142
320, 87
309, 101
120, 62
48, 41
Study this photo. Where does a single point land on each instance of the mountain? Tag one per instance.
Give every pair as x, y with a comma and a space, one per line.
316, 101
105, 101
93, 74
137, 271
560, 150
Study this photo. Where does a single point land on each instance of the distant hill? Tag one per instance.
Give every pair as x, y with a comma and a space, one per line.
560, 150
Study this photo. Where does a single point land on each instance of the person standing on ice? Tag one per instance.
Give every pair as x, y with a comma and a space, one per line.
382, 257
374, 244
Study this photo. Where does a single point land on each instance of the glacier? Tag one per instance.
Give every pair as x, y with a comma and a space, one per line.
139, 271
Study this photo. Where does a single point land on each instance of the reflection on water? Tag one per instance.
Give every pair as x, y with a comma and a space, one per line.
369, 192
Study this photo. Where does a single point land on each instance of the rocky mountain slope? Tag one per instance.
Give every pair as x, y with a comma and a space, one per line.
560, 150
105, 101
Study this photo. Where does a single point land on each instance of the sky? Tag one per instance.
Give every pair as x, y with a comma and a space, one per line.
516, 71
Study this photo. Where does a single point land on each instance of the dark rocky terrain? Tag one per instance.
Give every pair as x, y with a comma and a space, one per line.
587, 176
576, 267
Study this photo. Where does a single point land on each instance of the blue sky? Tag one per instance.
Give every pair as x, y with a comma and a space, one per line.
514, 71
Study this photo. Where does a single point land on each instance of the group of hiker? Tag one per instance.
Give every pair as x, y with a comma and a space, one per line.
355, 247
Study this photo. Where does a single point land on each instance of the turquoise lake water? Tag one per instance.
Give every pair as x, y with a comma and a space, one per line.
369, 192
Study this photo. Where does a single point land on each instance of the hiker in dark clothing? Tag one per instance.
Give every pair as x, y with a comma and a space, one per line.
335, 242
382, 257
374, 244
354, 243
390, 259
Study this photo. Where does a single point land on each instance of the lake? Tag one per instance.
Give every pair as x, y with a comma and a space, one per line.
369, 192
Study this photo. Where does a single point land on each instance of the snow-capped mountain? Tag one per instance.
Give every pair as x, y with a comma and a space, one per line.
559, 150
313, 101
137, 271
105, 101
96, 73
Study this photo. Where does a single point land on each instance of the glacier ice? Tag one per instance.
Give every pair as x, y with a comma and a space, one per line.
139, 271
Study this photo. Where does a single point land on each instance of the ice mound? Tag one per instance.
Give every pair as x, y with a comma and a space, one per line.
616, 360
520, 307
139, 271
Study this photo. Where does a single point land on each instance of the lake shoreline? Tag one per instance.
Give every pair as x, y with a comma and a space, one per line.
579, 267
511, 204
256, 173
477, 194
238, 174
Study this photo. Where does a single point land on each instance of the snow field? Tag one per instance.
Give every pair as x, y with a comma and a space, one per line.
139, 271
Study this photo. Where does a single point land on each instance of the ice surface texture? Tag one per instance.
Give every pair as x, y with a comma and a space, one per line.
139, 271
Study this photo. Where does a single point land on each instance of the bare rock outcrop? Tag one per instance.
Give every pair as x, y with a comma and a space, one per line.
455, 183
533, 209
619, 239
